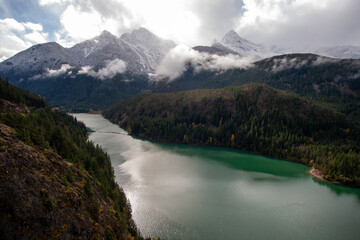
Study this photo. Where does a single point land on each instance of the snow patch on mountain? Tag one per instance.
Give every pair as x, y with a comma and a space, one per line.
150, 47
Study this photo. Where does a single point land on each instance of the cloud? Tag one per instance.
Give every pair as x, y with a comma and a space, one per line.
82, 20
184, 21
355, 76
301, 24
111, 68
57, 72
175, 62
323, 60
17, 36
51, 73
52, 2
284, 63
295, 24
287, 63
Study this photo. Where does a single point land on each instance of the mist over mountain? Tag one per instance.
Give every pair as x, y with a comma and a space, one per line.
141, 52
100, 72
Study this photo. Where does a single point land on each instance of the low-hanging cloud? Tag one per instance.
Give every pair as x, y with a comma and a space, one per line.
296, 63
287, 63
51, 73
355, 76
323, 60
175, 62
111, 68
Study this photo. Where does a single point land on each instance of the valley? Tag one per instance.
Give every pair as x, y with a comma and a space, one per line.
204, 142
179, 191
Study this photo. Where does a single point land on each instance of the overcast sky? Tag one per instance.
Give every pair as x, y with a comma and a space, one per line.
291, 23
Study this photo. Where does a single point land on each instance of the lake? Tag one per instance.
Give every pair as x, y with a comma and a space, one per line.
191, 192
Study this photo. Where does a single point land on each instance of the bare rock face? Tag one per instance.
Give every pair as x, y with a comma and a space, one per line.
7, 106
42, 196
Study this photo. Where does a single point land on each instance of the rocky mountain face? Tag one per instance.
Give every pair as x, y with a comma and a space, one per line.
232, 43
35, 60
151, 48
140, 50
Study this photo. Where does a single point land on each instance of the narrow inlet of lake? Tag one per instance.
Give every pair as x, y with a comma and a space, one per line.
187, 192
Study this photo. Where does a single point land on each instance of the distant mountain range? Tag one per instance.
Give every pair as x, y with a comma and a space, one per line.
232, 43
138, 52
100, 72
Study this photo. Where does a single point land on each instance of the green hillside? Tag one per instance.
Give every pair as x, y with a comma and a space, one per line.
252, 117
332, 82
45, 159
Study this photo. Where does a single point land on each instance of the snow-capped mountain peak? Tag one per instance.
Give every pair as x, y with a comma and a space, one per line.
141, 35
145, 38
140, 50
105, 33
231, 36
151, 48
240, 45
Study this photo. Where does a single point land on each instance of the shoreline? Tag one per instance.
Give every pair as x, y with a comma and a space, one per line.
316, 173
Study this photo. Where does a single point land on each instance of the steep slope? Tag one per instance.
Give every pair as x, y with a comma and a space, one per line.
54, 183
36, 201
151, 48
234, 42
252, 117
36, 60
107, 47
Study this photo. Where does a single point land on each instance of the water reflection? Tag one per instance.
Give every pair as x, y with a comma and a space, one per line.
188, 192
239, 159
339, 190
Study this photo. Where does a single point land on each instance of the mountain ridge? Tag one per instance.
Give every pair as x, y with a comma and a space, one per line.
139, 55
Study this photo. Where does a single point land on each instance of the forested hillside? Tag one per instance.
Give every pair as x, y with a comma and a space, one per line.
54, 182
332, 82
252, 117
82, 93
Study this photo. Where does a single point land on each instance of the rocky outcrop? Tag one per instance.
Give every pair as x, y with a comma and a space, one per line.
7, 106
